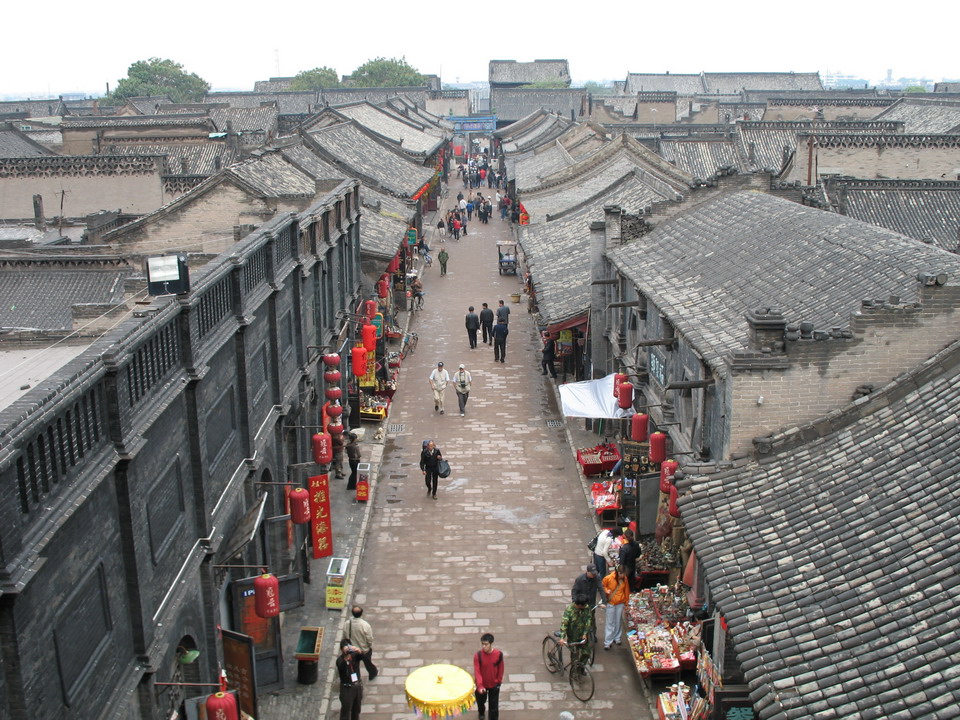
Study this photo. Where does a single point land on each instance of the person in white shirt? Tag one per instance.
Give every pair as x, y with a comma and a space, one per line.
601, 552
439, 379
461, 383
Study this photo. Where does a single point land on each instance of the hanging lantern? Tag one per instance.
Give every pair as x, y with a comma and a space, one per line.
331, 377
331, 359
638, 427
382, 288
322, 448
625, 395
369, 334
266, 589
335, 427
333, 392
221, 706
667, 471
394, 264
300, 506
617, 379
335, 410
658, 447
673, 508
370, 308
358, 358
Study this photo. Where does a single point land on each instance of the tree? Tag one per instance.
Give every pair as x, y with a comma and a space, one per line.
316, 79
383, 72
915, 89
595, 88
159, 77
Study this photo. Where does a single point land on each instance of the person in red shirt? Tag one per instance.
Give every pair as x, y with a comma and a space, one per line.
488, 674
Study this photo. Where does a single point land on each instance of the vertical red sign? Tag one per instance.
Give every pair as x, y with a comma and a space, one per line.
320, 525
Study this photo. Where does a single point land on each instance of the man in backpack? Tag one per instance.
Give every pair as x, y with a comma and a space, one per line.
488, 675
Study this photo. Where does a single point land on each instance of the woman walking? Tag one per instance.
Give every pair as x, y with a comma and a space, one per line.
617, 588
429, 460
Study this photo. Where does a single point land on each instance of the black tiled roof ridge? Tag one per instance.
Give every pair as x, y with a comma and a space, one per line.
896, 183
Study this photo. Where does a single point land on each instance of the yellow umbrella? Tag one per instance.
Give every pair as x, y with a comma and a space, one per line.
439, 691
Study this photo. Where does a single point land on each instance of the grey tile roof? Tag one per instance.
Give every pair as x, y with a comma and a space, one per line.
626, 106
701, 158
148, 105
510, 104
272, 176
288, 103
512, 72
733, 83
926, 210
312, 164
834, 561
340, 96
33, 108
374, 161
181, 158
410, 137
774, 253
14, 143
923, 116
201, 122
575, 143
535, 129
275, 84
261, 119
39, 296
660, 82
383, 223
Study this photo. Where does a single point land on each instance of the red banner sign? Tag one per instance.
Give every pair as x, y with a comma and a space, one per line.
320, 526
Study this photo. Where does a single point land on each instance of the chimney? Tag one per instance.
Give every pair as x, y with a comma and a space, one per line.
38, 219
184, 166
767, 329
752, 152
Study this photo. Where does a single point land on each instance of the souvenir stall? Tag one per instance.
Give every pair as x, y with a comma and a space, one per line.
664, 641
681, 702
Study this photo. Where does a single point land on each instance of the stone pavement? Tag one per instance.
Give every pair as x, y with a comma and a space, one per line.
501, 545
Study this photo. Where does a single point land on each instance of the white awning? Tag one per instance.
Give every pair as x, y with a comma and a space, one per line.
591, 399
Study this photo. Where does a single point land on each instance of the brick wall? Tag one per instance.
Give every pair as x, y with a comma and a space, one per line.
882, 161
136, 193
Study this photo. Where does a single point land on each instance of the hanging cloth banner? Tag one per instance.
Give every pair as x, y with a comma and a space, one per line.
591, 399
320, 526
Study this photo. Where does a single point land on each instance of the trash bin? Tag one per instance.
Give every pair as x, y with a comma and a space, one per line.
308, 654
336, 579
307, 671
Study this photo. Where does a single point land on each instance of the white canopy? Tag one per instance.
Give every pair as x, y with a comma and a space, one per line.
591, 399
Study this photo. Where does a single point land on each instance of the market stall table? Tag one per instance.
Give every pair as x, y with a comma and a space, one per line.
439, 691
598, 459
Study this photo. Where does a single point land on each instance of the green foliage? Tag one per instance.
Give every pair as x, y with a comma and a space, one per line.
316, 79
159, 77
546, 85
383, 72
915, 89
595, 88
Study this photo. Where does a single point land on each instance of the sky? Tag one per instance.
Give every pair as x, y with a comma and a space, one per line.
83, 47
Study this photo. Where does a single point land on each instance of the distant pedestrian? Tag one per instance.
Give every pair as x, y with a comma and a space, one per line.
462, 380
549, 355
486, 324
503, 313
472, 323
352, 448
500, 332
488, 676
361, 635
438, 383
351, 688
430, 458
337, 442
456, 228
470, 207
441, 229
443, 256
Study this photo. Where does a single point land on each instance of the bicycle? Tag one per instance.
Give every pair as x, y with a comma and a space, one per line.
581, 680
417, 301
409, 344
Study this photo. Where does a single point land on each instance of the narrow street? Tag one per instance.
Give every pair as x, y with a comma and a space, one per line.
499, 548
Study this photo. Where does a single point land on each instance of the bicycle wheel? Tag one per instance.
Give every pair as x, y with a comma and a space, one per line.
551, 654
581, 681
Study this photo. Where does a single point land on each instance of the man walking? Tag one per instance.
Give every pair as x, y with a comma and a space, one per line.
461, 383
438, 383
488, 675
351, 689
503, 313
353, 457
443, 256
486, 322
360, 635
500, 331
549, 355
472, 323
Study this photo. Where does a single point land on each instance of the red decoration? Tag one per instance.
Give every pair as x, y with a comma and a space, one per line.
369, 337
335, 427
322, 448
658, 447
394, 264
625, 395
667, 471
370, 308
300, 506
331, 377
639, 424
617, 379
321, 529
382, 288
222, 706
331, 359
333, 393
335, 410
363, 489
266, 589
358, 357
673, 508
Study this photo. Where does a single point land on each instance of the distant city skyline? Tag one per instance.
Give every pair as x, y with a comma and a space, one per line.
87, 49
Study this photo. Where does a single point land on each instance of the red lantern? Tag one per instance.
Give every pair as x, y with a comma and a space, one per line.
394, 264
332, 377
358, 357
370, 308
658, 447
300, 506
221, 706
673, 508
667, 471
333, 393
335, 427
638, 427
617, 379
331, 359
335, 410
625, 395
369, 336
266, 589
382, 288
322, 448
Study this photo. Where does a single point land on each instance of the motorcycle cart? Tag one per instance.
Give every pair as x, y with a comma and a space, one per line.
507, 251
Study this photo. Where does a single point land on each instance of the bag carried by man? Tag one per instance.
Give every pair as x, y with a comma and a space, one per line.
443, 468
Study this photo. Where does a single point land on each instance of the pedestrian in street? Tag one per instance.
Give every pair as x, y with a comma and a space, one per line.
549, 355
486, 324
488, 676
438, 383
587, 585
461, 383
470, 207
472, 323
575, 626
601, 551
351, 689
629, 552
500, 332
360, 635
352, 448
617, 587
430, 458
441, 228
337, 443
443, 256
503, 313
456, 227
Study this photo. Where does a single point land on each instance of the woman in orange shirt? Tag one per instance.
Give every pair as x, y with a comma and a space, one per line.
617, 588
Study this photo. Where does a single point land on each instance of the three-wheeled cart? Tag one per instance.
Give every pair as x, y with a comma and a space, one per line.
507, 252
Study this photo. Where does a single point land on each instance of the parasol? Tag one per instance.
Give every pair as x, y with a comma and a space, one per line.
439, 691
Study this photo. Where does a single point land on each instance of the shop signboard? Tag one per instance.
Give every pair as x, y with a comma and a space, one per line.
657, 366
240, 665
377, 322
320, 523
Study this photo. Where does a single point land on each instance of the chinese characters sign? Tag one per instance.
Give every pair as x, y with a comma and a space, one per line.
320, 527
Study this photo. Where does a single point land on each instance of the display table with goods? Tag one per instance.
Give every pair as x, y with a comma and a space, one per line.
393, 359
598, 459
655, 561
678, 702
373, 407
661, 642
606, 497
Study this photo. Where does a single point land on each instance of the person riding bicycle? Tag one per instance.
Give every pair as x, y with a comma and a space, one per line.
575, 626
416, 287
